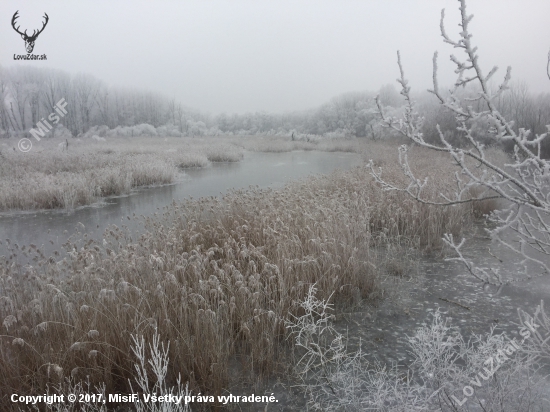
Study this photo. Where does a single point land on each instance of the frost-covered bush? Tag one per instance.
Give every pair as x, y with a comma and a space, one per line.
162, 131
214, 131
143, 129
117, 131
196, 128
157, 362
169, 130
62, 132
522, 226
100, 131
448, 373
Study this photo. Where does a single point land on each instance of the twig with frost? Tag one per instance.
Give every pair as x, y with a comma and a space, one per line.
538, 344
313, 332
158, 362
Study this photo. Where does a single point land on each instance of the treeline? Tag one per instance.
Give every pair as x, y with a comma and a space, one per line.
28, 94
347, 115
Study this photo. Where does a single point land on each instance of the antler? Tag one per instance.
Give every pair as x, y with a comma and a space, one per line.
34, 33
15, 17
43, 26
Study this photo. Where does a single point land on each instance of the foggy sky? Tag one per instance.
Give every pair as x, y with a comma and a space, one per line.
285, 55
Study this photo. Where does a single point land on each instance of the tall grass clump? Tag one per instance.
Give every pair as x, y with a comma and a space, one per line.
63, 181
223, 153
215, 277
439, 175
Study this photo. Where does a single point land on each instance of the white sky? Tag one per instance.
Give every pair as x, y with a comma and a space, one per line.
273, 55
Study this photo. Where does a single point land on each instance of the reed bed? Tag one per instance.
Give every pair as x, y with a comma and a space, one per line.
437, 168
216, 277
224, 153
281, 144
52, 177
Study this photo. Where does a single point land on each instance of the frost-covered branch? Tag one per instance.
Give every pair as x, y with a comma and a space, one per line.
523, 183
539, 344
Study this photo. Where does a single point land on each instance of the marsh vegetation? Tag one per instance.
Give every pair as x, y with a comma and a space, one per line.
217, 277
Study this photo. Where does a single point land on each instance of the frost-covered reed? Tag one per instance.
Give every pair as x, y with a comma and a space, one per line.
280, 144
49, 178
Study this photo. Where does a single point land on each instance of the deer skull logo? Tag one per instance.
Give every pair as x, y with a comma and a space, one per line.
29, 40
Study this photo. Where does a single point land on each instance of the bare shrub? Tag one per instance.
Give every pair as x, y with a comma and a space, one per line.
158, 364
336, 379
521, 183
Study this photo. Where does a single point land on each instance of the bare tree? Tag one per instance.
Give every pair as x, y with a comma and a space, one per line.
86, 89
172, 111
103, 106
523, 224
18, 98
180, 115
4, 122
